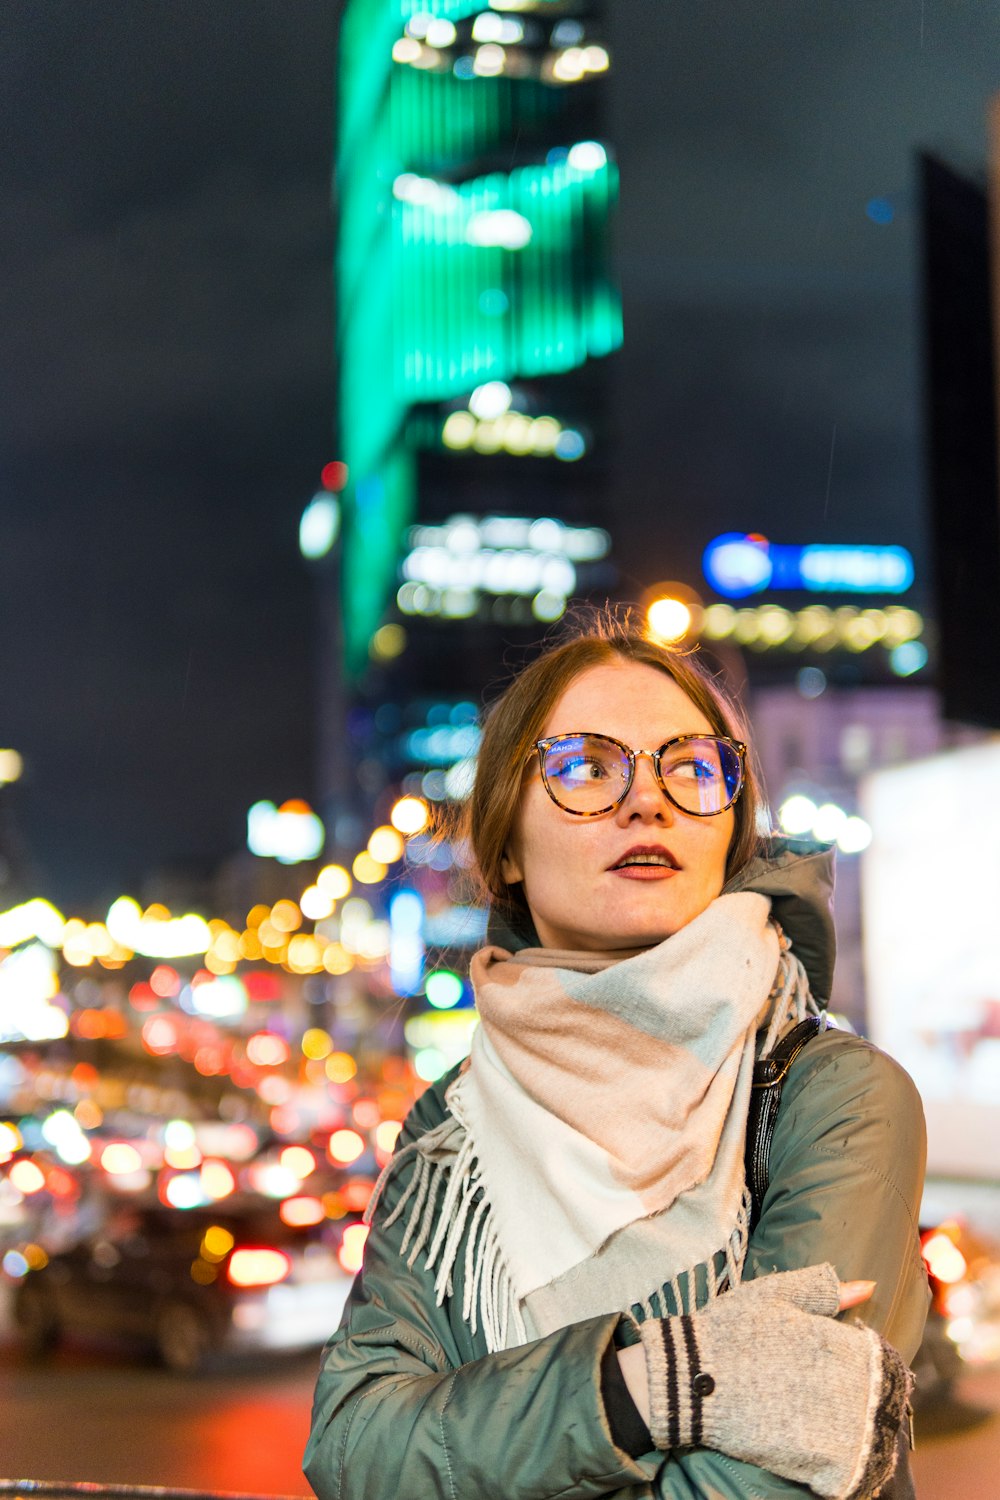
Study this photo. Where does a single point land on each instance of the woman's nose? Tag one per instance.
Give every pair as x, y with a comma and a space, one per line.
645, 797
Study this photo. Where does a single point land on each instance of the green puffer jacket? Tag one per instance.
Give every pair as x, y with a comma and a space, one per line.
409, 1403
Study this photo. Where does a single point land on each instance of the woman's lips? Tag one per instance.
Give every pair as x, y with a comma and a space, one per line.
644, 872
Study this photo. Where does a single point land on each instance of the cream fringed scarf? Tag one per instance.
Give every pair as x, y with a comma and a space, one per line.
594, 1147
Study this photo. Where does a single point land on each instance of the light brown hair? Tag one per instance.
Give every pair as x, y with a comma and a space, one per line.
516, 720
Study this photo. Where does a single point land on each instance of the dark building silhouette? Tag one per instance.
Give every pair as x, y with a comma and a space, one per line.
961, 437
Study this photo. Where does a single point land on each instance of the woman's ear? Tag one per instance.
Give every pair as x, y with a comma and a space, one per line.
510, 868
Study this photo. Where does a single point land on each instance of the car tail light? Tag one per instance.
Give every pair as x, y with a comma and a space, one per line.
257, 1267
941, 1255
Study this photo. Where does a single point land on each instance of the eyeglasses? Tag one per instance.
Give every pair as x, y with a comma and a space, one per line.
589, 774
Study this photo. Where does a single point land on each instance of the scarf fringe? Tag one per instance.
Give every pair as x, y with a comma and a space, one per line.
488, 1294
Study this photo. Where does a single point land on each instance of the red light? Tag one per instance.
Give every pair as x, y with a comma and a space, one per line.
355, 1194
160, 1035
334, 476
262, 988
87, 1024
142, 997
943, 1258
164, 981
60, 1184
210, 1061
257, 1267
92, 1023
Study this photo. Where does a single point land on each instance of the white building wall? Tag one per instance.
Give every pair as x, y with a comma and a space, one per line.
824, 747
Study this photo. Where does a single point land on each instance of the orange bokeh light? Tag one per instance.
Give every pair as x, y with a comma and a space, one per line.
352, 1252
164, 981
267, 1050
366, 1113
217, 1180
160, 1035
298, 1160
340, 1067
345, 1146
119, 1159
299, 1213
26, 1177
254, 1267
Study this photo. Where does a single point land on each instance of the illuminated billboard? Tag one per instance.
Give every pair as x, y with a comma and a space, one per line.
931, 893
738, 563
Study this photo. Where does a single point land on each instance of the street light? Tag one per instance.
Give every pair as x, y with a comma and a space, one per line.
11, 767
674, 612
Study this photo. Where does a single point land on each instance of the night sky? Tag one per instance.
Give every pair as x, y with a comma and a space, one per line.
165, 339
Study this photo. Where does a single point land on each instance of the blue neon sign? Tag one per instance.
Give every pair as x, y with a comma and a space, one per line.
737, 564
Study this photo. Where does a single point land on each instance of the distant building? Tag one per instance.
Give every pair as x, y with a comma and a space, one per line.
822, 748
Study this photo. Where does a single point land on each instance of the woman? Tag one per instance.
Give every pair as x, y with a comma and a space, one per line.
561, 1294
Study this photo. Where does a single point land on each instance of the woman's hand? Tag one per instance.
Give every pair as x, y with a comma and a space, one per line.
852, 1293
633, 1360
768, 1374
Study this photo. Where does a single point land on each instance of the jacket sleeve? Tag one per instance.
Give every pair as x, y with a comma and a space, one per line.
847, 1172
846, 1176
404, 1406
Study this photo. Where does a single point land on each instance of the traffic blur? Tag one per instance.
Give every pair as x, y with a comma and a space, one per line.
195, 1236
195, 1078
963, 1320
192, 1286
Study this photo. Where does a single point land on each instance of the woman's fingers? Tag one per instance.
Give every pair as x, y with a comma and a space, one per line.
853, 1292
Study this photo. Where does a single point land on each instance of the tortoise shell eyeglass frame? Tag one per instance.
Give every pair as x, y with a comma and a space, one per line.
541, 747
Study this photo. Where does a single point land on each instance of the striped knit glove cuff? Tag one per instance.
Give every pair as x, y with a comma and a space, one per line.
767, 1375
678, 1386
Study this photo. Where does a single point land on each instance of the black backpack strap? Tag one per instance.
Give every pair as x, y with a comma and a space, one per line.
765, 1096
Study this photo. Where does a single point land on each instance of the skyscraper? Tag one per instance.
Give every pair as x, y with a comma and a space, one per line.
474, 199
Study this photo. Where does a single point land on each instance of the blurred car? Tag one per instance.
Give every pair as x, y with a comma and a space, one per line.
963, 1320
190, 1284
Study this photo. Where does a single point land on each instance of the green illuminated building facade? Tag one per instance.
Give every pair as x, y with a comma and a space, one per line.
474, 199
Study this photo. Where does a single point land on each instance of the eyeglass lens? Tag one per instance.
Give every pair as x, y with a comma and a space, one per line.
588, 773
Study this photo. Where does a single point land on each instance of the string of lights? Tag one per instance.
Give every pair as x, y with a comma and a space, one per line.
345, 930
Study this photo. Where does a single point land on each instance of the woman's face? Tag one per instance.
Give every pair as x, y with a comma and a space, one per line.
578, 891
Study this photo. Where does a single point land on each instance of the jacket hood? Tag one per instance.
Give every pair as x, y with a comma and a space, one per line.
797, 875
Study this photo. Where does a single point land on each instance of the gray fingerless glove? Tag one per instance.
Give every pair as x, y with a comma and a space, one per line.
766, 1374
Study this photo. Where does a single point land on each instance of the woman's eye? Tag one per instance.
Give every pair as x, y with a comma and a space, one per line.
694, 770
581, 770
